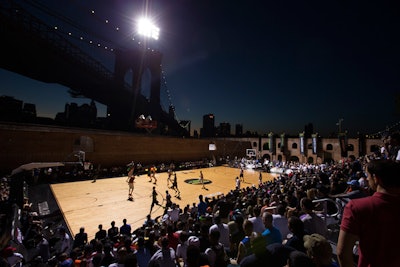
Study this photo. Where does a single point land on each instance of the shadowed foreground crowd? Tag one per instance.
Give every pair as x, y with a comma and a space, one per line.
276, 223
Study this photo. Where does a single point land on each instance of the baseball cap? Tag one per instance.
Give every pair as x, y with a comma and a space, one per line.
354, 183
193, 240
8, 251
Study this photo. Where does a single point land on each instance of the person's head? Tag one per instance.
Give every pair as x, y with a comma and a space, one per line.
124, 221
82, 230
267, 219
193, 241
256, 211
281, 209
306, 204
295, 225
354, 184
122, 252
113, 223
383, 173
100, 226
248, 227
164, 242
299, 259
318, 249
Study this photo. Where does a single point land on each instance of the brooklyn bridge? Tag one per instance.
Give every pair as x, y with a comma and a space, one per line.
36, 50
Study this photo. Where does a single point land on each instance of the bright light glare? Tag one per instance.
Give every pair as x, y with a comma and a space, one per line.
148, 29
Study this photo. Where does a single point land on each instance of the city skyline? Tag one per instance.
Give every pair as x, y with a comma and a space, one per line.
270, 67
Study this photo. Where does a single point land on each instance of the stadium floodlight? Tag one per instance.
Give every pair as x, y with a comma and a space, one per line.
146, 28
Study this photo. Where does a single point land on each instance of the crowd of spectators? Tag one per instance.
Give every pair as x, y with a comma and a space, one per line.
279, 222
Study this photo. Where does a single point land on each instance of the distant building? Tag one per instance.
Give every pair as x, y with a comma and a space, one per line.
238, 130
195, 134
15, 110
79, 116
208, 129
224, 129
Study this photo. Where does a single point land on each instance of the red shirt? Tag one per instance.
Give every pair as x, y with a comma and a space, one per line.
376, 221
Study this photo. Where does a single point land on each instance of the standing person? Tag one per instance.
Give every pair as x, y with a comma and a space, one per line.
113, 231
237, 183
154, 199
175, 187
101, 234
80, 239
125, 229
202, 180
153, 171
379, 212
169, 180
201, 206
241, 175
260, 179
130, 180
168, 201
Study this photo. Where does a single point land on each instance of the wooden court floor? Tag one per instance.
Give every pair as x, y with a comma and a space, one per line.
89, 204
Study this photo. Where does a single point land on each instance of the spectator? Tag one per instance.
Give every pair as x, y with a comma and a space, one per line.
296, 226
216, 253
299, 259
379, 212
125, 229
113, 231
12, 257
101, 234
312, 222
258, 225
280, 221
81, 238
42, 247
65, 240
271, 234
164, 257
223, 230
260, 257
319, 250
143, 254
244, 248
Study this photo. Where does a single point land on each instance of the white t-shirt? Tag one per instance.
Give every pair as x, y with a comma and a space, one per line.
281, 222
224, 233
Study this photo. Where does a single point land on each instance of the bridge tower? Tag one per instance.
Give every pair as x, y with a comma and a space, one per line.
138, 61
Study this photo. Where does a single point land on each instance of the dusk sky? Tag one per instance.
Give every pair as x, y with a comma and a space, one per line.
268, 65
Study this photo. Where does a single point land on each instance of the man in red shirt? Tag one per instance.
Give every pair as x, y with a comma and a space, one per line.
373, 221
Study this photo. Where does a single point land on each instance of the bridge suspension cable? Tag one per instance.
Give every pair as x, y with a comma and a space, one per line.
184, 124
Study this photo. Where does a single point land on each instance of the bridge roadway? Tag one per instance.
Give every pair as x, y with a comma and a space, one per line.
35, 50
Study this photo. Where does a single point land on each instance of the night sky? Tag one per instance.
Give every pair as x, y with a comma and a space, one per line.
268, 65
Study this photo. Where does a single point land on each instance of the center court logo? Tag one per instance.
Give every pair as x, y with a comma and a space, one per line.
196, 181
